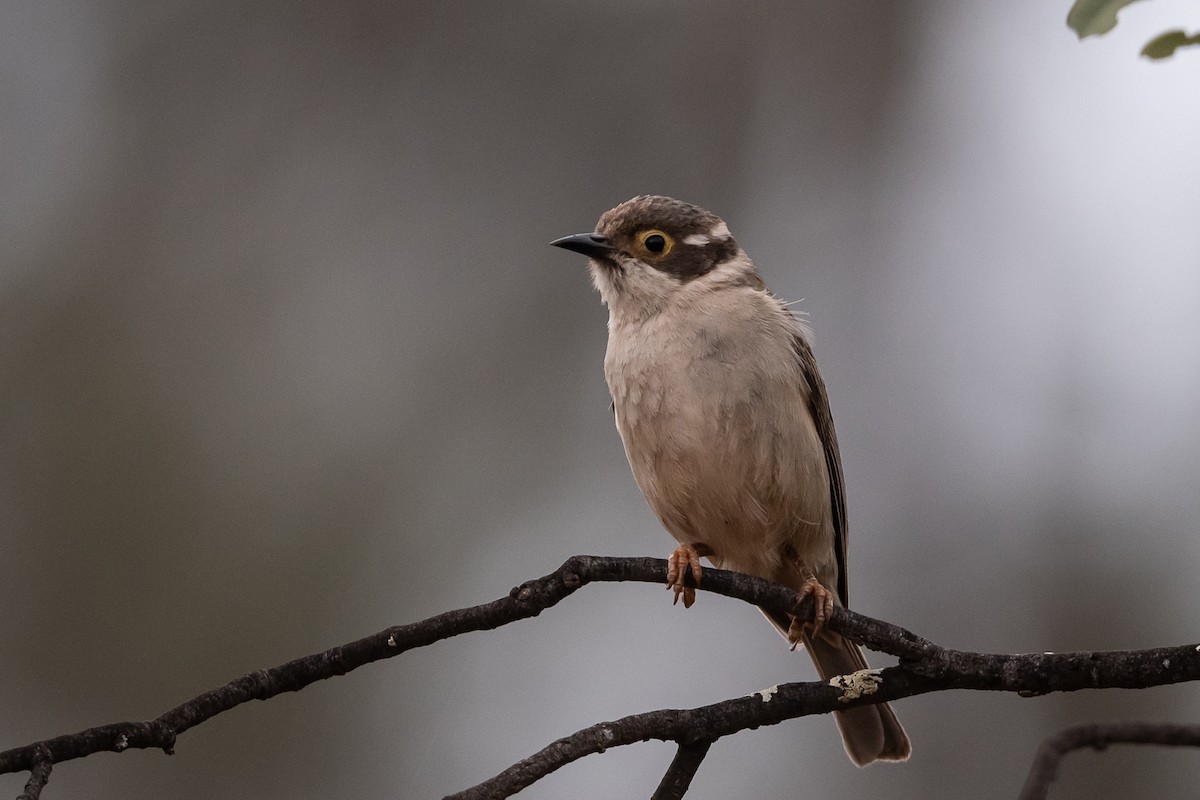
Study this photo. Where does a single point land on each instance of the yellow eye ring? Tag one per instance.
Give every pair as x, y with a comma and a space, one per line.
655, 243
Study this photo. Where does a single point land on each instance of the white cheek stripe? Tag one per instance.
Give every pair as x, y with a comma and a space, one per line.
719, 233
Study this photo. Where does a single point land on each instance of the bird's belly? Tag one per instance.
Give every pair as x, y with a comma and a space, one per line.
728, 456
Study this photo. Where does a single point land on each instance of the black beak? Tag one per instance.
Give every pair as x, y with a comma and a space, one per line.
592, 245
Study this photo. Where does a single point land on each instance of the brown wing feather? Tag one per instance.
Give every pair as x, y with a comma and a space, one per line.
818, 404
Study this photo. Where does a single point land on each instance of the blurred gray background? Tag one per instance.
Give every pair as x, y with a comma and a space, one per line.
285, 359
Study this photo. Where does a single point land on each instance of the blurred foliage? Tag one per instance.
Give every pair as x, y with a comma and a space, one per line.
1165, 44
1095, 17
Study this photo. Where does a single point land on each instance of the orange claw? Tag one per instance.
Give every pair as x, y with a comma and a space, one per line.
822, 611
686, 557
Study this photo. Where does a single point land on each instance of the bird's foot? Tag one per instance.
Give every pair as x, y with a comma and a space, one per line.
686, 558
822, 610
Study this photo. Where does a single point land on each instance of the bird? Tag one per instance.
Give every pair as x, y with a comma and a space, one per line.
726, 426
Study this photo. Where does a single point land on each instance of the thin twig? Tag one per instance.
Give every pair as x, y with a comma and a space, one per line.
1099, 735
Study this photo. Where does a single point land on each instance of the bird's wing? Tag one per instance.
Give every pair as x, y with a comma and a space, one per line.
818, 405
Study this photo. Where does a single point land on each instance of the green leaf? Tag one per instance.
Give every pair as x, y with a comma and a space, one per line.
1165, 44
1094, 17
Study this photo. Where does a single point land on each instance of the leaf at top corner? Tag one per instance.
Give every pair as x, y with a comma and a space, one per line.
1094, 17
1165, 44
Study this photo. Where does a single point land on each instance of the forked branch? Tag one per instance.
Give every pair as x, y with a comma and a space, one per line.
924, 667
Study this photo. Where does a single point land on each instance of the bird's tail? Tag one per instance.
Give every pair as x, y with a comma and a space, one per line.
869, 733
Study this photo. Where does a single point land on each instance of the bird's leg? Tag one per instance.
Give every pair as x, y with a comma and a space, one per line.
686, 557
822, 605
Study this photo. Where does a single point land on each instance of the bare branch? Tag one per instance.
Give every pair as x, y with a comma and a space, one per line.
678, 778
524, 601
924, 667
1027, 675
37, 780
1099, 735
527, 600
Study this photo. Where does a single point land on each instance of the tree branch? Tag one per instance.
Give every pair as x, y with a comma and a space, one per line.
527, 600
1099, 735
37, 779
924, 667
675, 783
1028, 675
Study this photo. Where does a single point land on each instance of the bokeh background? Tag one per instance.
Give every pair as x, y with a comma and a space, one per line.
285, 359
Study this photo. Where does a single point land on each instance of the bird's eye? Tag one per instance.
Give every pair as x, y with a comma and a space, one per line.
655, 242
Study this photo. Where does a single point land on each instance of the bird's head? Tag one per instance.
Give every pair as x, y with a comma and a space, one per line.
646, 249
